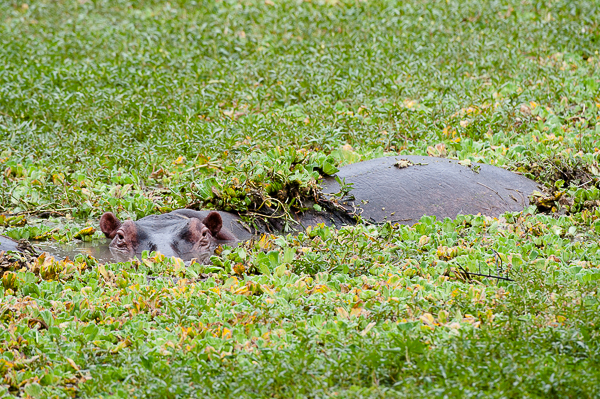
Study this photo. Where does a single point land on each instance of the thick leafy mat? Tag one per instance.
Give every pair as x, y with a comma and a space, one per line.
361, 311
139, 107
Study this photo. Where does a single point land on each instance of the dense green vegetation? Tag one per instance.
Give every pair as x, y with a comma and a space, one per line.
141, 107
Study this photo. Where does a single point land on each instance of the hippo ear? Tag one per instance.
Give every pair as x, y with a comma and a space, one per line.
213, 222
109, 224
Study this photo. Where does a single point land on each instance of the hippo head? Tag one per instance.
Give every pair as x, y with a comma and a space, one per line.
172, 234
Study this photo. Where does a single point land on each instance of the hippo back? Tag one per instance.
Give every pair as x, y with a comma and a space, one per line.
430, 186
7, 244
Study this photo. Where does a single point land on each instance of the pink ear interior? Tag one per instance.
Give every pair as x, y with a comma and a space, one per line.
213, 222
109, 224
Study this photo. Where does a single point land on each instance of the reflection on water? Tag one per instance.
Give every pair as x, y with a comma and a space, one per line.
96, 249
101, 252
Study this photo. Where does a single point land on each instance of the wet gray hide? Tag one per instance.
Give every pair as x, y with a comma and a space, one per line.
7, 244
430, 186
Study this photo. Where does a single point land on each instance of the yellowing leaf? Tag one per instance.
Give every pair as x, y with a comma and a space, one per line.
454, 326
88, 231
438, 151
121, 345
265, 241
180, 160
73, 364
367, 328
342, 313
267, 290
164, 352
321, 288
409, 103
226, 333
102, 270
428, 319
239, 268
241, 290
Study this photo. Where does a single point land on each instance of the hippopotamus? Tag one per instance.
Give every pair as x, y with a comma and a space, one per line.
398, 189
402, 189
184, 233
22, 246
8, 244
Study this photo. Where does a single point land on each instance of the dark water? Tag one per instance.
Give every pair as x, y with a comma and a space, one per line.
99, 249
96, 249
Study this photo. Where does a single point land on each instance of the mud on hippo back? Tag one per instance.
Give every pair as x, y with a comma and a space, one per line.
183, 233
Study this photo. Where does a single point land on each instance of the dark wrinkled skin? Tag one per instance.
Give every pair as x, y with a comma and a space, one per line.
183, 233
382, 192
